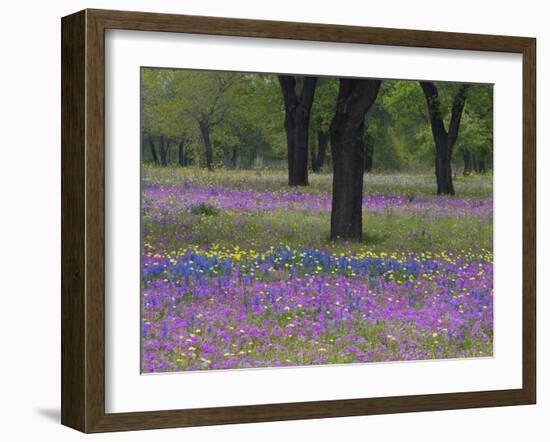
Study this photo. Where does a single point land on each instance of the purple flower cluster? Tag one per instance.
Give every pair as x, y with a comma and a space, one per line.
208, 305
162, 198
219, 310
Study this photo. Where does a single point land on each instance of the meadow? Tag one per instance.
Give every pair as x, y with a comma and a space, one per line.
238, 271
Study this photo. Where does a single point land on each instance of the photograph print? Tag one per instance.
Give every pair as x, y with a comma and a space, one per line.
294, 220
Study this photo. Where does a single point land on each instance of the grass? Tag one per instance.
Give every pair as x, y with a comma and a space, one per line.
382, 232
473, 186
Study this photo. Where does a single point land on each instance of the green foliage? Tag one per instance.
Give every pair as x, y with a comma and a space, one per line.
204, 209
245, 115
405, 136
324, 103
476, 133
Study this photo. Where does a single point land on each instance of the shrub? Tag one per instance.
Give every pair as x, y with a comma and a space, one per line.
204, 209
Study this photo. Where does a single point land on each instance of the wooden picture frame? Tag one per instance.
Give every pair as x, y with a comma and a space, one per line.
83, 220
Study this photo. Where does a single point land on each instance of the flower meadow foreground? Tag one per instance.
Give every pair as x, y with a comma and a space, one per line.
237, 276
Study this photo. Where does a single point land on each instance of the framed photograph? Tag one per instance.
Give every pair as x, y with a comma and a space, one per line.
267, 221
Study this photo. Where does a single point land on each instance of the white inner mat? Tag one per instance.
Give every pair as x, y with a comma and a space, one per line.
127, 390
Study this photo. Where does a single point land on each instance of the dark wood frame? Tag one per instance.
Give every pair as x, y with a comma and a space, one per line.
83, 217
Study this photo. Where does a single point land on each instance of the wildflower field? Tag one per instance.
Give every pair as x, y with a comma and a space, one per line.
238, 271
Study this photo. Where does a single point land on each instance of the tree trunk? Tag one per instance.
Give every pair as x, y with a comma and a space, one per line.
318, 161
181, 153
297, 113
475, 164
208, 154
234, 157
163, 151
314, 161
483, 165
444, 175
144, 143
153, 149
467, 157
444, 140
355, 97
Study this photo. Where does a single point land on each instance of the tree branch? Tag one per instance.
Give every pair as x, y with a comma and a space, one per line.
456, 113
434, 108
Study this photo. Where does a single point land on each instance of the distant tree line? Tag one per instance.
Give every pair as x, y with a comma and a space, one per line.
345, 126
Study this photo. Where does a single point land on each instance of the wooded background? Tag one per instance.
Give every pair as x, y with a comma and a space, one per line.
237, 120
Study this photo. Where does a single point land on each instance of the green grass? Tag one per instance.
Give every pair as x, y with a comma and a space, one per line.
473, 186
382, 232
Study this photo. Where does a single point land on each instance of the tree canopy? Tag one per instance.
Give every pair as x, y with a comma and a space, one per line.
237, 120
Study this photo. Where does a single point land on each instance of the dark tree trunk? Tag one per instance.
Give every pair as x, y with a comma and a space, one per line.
483, 165
467, 157
234, 157
297, 113
444, 140
444, 173
355, 97
318, 161
181, 153
153, 149
314, 161
475, 164
144, 144
163, 151
169, 152
208, 154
